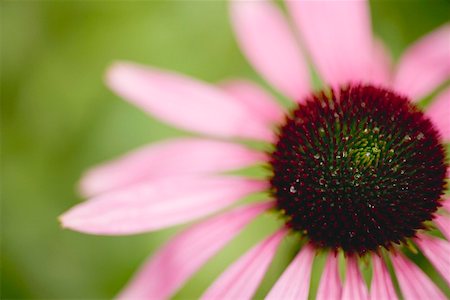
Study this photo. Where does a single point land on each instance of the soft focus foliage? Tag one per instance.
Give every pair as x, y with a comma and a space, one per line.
58, 119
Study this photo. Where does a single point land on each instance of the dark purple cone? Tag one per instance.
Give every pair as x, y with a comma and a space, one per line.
358, 169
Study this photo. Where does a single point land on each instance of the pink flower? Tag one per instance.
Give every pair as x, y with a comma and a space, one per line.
356, 169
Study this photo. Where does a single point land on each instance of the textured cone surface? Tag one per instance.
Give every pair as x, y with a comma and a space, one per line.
357, 169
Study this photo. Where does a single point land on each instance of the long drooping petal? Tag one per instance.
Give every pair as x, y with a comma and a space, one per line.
242, 278
185, 102
294, 283
159, 204
258, 100
439, 112
170, 158
381, 287
339, 38
425, 65
268, 43
414, 284
354, 287
330, 283
438, 253
174, 264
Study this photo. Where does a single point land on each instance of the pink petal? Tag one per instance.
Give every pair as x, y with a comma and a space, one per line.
446, 204
425, 65
414, 284
439, 113
294, 283
257, 99
381, 64
443, 223
185, 102
242, 278
159, 204
354, 287
381, 287
174, 264
269, 44
438, 253
338, 36
169, 158
330, 284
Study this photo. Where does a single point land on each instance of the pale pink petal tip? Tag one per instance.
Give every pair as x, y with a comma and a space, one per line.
381, 287
258, 24
330, 286
338, 36
172, 158
425, 65
181, 257
414, 284
439, 112
185, 102
354, 287
159, 204
295, 281
242, 278
438, 253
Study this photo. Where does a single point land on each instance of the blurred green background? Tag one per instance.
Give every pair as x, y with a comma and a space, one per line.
58, 118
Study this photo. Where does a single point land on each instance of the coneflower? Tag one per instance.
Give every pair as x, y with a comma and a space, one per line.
356, 168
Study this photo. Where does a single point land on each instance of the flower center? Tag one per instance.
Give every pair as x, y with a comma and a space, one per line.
358, 169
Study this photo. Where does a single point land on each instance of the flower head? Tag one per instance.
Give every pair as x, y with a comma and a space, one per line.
359, 170
356, 168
